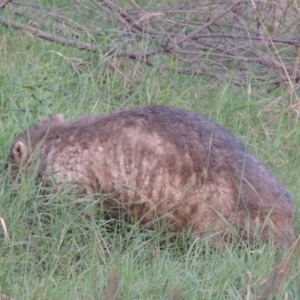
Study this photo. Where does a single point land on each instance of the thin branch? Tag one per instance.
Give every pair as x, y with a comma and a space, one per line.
127, 17
49, 37
2, 5
73, 43
182, 37
196, 31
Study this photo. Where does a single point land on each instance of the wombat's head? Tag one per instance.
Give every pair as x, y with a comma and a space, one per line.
24, 150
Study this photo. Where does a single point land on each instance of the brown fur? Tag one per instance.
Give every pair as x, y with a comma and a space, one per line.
163, 163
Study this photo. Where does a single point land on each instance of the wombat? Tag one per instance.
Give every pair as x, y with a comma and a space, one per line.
162, 163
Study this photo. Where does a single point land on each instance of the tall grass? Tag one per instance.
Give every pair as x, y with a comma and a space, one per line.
56, 252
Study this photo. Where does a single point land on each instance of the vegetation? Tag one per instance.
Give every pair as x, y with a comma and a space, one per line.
53, 251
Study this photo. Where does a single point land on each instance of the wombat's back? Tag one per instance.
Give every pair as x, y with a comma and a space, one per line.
171, 164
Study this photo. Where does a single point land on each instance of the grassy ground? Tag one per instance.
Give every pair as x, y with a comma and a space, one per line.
56, 253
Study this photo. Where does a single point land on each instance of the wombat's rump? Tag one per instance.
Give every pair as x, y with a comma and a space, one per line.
163, 163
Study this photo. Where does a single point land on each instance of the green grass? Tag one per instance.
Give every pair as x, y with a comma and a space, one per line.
56, 252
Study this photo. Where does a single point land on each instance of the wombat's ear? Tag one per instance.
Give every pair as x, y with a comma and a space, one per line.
54, 120
59, 118
20, 151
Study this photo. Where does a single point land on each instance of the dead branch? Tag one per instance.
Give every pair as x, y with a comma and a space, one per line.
2, 5
278, 276
124, 15
259, 40
196, 31
68, 42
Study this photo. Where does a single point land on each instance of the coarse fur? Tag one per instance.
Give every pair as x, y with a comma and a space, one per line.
165, 163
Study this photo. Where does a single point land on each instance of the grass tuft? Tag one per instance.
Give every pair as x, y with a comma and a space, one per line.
49, 249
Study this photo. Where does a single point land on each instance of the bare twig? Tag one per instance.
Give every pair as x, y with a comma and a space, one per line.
48, 36
289, 108
6, 297
127, 17
278, 276
68, 42
196, 31
201, 39
112, 284
3, 225
3, 4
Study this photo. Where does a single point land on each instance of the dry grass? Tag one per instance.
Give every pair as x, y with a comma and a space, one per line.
145, 54
210, 38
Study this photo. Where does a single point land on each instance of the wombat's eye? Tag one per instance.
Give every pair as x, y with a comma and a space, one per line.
10, 159
5, 167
